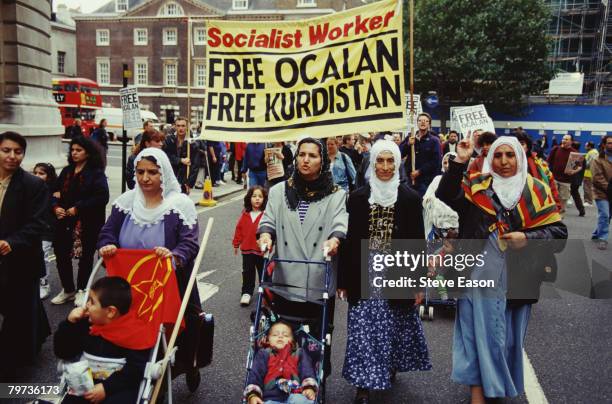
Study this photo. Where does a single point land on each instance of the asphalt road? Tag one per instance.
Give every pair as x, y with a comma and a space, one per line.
568, 343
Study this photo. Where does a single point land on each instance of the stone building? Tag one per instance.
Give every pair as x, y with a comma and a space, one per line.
150, 36
26, 102
63, 43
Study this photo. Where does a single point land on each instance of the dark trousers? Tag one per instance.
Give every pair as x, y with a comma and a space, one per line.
215, 170
575, 191
251, 263
232, 162
63, 248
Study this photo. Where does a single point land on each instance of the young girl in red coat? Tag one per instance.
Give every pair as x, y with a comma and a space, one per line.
245, 238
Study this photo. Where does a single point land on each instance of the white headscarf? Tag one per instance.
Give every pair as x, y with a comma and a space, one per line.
508, 190
384, 193
133, 202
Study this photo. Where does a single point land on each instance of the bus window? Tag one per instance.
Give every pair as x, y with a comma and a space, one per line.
86, 89
58, 87
71, 87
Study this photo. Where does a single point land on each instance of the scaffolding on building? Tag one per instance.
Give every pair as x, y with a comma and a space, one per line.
582, 42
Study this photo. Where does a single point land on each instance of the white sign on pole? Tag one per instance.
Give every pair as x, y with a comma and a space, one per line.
131, 108
418, 108
469, 119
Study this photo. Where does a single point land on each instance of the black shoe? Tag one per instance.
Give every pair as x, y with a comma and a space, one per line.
582, 213
239, 182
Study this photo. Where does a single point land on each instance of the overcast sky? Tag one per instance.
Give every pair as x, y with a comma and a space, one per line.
87, 6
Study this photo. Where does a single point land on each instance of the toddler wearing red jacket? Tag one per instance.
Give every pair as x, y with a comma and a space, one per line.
245, 239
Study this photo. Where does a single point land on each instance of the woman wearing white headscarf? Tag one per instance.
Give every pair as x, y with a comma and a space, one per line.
499, 210
438, 214
384, 336
155, 215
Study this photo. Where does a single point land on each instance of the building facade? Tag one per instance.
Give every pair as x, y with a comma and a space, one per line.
63, 43
25, 80
151, 37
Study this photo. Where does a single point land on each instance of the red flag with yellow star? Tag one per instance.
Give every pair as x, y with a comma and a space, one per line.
155, 298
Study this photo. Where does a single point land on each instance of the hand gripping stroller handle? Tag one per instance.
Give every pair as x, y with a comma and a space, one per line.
265, 251
326, 254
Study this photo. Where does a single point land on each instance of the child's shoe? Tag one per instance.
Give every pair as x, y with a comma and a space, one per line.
245, 299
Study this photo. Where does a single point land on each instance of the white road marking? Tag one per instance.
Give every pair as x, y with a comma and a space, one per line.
204, 274
206, 290
533, 390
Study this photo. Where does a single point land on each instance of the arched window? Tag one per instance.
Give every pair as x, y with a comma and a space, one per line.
171, 8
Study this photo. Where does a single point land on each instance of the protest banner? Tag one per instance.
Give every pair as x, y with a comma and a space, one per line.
131, 108
339, 74
468, 119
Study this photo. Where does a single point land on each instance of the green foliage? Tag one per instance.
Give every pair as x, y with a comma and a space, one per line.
479, 51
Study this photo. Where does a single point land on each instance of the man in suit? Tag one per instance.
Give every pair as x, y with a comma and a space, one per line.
23, 201
451, 144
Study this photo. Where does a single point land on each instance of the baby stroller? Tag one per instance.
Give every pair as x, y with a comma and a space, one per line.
438, 242
193, 350
306, 329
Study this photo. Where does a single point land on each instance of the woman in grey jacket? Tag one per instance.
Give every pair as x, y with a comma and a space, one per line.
305, 215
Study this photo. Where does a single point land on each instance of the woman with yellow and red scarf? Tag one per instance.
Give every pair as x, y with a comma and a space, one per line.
510, 217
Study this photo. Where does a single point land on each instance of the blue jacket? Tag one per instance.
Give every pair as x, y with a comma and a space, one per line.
254, 158
428, 159
255, 379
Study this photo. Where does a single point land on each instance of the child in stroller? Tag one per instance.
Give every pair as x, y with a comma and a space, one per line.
282, 372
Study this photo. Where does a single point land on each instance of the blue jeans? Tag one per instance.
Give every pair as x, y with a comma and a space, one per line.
293, 399
603, 220
257, 178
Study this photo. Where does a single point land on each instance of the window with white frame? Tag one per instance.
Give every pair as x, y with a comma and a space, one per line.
102, 37
121, 5
199, 75
171, 9
199, 36
170, 72
306, 3
103, 71
141, 36
170, 36
240, 4
141, 72
61, 61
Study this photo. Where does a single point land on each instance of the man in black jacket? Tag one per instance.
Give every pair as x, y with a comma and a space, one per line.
185, 164
23, 201
74, 130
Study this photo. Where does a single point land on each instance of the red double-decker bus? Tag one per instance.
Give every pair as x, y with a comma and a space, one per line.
77, 98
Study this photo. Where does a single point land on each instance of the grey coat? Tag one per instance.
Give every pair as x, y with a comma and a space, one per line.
303, 241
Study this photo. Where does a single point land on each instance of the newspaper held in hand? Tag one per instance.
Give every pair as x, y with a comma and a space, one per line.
574, 162
274, 165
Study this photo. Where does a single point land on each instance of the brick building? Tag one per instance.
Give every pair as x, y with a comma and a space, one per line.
150, 36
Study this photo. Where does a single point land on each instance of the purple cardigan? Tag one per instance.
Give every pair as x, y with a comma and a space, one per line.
179, 238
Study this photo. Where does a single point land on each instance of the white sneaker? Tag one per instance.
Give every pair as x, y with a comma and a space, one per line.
44, 289
588, 205
62, 297
222, 182
245, 299
569, 202
79, 299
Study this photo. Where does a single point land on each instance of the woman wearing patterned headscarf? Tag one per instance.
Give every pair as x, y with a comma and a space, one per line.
383, 336
304, 215
500, 209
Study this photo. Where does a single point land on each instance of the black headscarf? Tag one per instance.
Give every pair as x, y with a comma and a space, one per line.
298, 189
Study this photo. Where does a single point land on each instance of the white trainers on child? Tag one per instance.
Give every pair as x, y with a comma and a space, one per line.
44, 288
245, 299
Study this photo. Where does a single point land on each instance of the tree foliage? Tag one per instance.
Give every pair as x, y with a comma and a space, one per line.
480, 51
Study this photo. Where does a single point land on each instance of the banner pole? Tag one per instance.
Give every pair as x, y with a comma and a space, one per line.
188, 97
179, 317
412, 152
